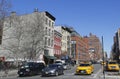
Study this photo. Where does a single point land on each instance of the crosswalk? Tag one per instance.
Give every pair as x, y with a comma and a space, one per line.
80, 76
111, 75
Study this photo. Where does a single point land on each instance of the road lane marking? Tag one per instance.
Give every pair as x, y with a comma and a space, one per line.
69, 74
95, 75
90, 76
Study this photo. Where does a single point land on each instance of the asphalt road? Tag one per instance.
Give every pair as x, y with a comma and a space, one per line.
68, 74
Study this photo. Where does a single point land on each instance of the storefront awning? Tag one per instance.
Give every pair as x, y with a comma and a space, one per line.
51, 57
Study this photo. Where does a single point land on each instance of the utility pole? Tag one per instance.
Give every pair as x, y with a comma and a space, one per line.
103, 58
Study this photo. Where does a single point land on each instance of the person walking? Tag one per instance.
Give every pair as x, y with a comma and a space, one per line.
6, 69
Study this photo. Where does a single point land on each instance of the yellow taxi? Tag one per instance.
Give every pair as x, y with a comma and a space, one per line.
113, 65
84, 68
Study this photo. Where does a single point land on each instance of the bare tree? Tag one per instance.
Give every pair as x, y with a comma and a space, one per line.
4, 8
4, 11
24, 36
34, 45
13, 35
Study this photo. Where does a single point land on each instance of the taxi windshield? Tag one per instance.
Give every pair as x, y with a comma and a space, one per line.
112, 63
84, 65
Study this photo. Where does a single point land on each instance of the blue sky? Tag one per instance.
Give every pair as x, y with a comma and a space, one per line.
100, 17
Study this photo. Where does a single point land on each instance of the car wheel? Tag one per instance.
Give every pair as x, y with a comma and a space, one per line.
62, 73
20, 75
92, 71
31, 73
56, 73
75, 74
42, 75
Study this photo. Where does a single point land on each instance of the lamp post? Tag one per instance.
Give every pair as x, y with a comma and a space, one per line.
103, 58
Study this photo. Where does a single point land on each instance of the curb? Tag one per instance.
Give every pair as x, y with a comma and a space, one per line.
10, 73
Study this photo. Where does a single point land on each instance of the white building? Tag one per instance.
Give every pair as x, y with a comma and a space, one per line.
26, 34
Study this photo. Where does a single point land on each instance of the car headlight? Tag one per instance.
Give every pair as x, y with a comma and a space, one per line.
22, 67
27, 70
77, 69
52, 71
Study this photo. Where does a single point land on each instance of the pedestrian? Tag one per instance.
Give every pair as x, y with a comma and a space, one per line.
6, 68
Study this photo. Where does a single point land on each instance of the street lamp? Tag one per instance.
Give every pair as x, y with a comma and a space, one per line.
103, 58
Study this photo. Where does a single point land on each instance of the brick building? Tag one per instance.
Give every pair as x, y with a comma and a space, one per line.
115, 53
65, 41
79, 47
95, 47
57, 44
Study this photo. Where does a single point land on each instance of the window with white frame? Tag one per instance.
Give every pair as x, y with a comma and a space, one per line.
52, 24
49, 32
49, 42
52, 33
46, 31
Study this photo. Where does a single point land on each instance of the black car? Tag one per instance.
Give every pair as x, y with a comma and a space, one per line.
31, 68
53, 70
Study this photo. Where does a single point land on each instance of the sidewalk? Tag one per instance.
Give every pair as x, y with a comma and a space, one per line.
10, 73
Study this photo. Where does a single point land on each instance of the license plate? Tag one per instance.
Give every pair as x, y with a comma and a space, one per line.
82, 71
113, 67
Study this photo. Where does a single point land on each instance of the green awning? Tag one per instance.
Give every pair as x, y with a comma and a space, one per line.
51, 57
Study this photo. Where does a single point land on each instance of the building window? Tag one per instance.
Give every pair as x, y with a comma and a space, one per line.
52, 24
46, 52
46, 31
52, 34
49, 42
46, 21
49, 32
49, 23
90, 43
79, 55
68, 37
45, 41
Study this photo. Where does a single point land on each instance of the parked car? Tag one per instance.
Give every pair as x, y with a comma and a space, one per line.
112, 66
85, 68
53, 70
31, 68
66, 66
58, 62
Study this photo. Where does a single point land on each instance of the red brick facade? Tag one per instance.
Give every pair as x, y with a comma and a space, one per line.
94, 44
57, 44
81, 49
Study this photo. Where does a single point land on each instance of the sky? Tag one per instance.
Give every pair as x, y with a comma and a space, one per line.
99, 17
